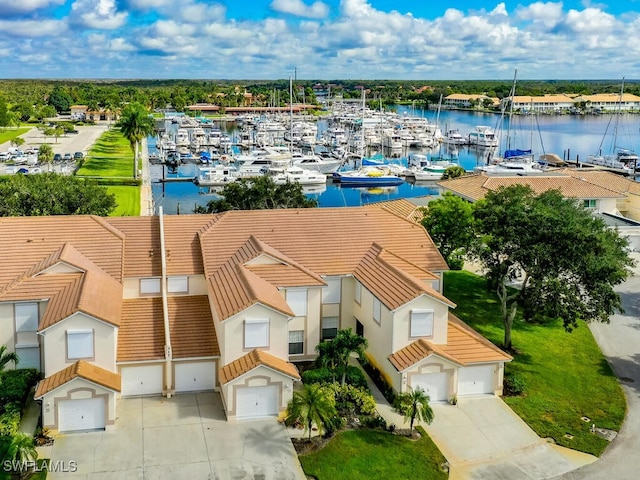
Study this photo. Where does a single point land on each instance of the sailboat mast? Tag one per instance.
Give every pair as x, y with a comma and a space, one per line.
290, 114
513, 94
615, 125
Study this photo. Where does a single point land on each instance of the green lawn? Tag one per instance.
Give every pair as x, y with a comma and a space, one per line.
111, 156
366, 454
566, 374
8, 134
128, 200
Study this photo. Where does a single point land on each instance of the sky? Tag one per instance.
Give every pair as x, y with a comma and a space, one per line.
319, 39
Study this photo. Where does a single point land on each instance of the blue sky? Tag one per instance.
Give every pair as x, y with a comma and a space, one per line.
321, 39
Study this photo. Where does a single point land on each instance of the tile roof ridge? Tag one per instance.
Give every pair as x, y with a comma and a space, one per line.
215, 219
460, 325
389, 252
32, 271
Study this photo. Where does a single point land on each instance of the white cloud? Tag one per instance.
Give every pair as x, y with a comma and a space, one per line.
100, 14
317, 9
32, 28
10, 7
549, 14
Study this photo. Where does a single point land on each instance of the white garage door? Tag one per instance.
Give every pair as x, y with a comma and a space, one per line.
476, 380
436, 385
193, 377
146, 380
254, 402
79, 415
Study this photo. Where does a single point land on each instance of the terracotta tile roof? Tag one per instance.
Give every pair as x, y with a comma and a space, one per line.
253, 359
234, 288
141, 245
605, 179
26, 241
392, 286
327, 241
141, 334
184, 256
285, 275
475, 187
464, 347
191, 327
402, 208
94, 293
406, 266
80, 369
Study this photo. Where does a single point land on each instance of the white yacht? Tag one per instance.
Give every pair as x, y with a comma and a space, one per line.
295, 174
483, 136
454, 137
217, 175
316, 163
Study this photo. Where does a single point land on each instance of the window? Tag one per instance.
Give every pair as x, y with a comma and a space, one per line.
297, 300
331, 293
296, 342
421, 323
178, 284
256, 333
149, 286
26, 317
377, 310
79, 344
358, 295
591, 203
329, 327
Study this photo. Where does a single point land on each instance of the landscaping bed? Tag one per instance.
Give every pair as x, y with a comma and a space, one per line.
567, 382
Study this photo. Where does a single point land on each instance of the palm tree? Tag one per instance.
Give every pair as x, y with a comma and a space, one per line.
347, 343
45, 155
6, 357
328, 356
135, 124
21, 451
312, 405
415, 405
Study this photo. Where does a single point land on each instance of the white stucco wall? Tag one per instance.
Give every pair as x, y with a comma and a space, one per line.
55, 343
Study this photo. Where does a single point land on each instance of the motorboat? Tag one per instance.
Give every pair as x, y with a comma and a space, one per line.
483, 136
217, 175
324, 165
454, 137
294, 174
433, 171
368, 177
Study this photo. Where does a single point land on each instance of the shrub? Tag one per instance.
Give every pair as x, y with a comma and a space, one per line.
352, 400
9, 423
354, 376
514, 385
374, 421
15, 385
380, 382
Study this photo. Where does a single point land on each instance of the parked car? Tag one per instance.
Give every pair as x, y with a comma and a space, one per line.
57, 157
78, 156
67, 157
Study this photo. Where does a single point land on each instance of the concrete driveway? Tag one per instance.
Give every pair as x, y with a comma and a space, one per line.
186, 436
482, 438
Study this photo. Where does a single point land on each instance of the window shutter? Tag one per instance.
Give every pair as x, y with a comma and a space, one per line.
421, 323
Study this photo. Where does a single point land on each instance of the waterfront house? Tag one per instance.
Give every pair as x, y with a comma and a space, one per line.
160, 305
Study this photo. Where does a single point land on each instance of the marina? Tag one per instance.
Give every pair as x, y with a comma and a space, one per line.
557, 139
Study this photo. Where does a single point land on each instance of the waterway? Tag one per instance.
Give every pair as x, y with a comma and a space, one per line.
571, 137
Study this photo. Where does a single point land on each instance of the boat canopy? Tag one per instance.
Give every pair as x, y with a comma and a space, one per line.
516, 153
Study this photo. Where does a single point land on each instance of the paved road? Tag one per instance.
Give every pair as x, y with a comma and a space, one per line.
620, 342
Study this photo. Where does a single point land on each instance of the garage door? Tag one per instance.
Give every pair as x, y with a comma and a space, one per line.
145, 380
193, 377
476, 380
81, 415
254, 402
436, 385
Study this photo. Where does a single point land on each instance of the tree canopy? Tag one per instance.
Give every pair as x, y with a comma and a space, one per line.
53, 194
449, 221
260, 193
567, 260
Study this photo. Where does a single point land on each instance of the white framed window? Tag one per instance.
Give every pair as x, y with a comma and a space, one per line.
358, 293
149, 286
329, 327
26, 317
256, 332
178, 284
296, 342
421, 323
79, 344
297, 300
331, 293
377, 310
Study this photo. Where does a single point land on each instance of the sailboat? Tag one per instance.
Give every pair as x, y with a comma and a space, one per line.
514, 160
619, 160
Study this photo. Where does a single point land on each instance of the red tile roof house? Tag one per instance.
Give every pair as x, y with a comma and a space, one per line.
110, 307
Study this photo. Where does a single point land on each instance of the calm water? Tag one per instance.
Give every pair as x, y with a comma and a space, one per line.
568, 136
